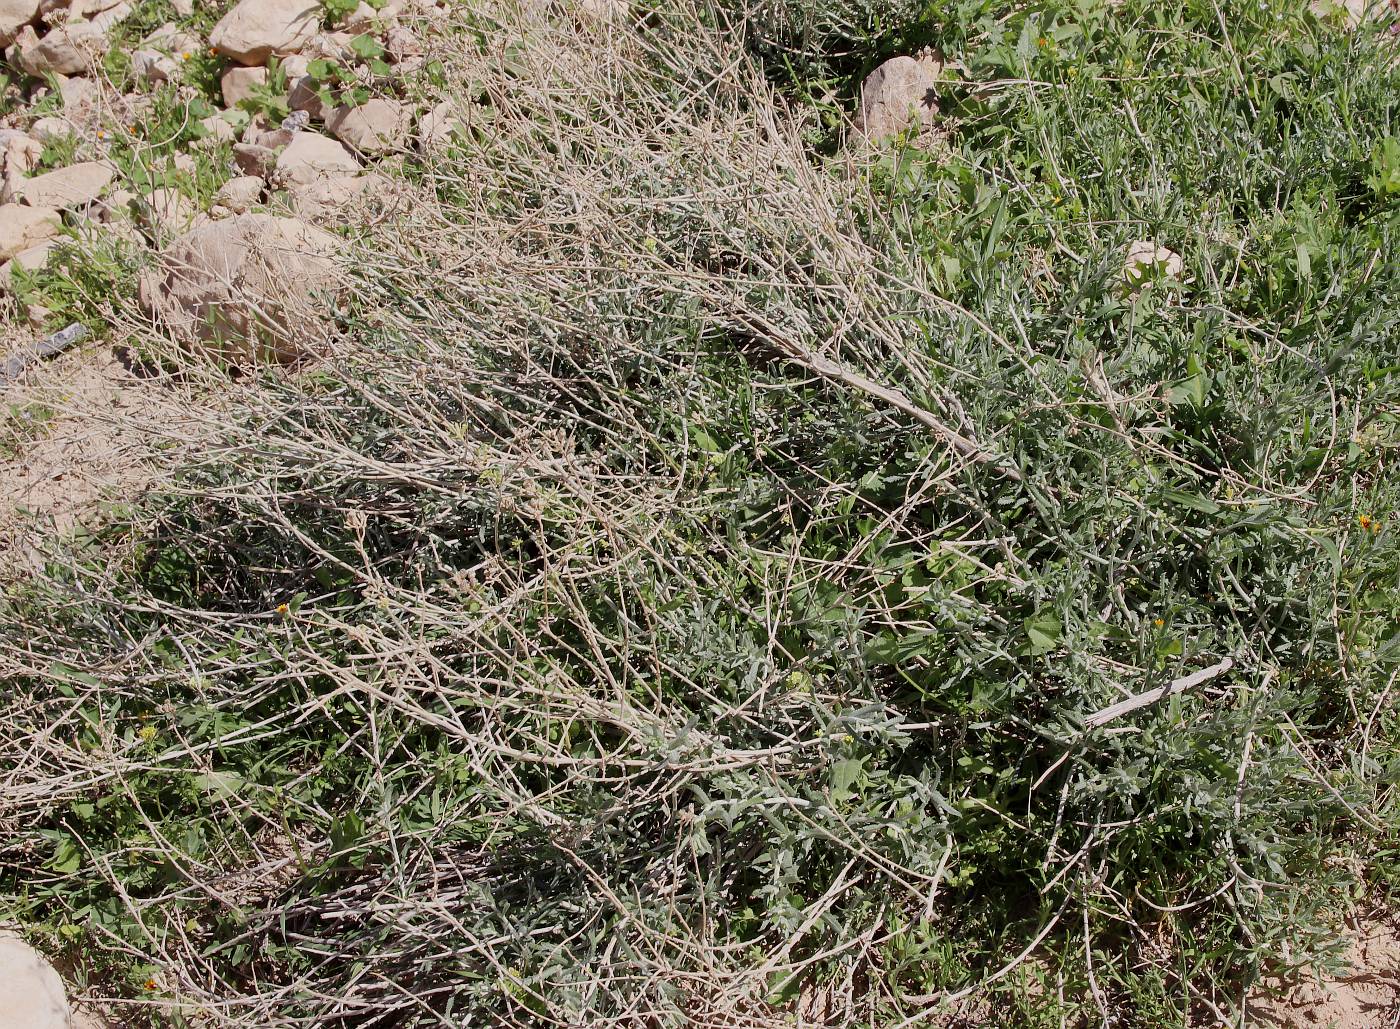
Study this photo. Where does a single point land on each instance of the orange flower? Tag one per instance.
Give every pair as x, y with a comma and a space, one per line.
1042, 41
283, 610
1365, 521
1159, 622
150, 984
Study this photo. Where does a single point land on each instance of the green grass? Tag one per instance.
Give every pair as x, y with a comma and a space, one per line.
573, 648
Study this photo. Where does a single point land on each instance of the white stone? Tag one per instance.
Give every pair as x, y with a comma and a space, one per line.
373, 127
246, 287
153, 66
240, 83
52, 129
256, 29
14, 15
240, 193
1144, 258
898, 95
19, 152
72, 186
438, 128
311, 157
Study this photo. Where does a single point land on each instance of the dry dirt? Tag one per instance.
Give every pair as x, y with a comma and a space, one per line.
71, 439
1368, 997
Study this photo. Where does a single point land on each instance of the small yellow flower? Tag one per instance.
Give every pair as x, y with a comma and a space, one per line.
1159, 622
1365, 521
185, 55
150, 984
148, 733
1072, 71
283, 610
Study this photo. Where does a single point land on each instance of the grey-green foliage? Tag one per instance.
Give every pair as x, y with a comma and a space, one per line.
630, 672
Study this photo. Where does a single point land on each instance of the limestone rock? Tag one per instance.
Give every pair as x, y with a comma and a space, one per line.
373, 127
239, 83
72, 186
218, 129
246, 287
256, 29
167, 211
23, 227
31, 993
304, 97
402, 43
32, 259
898, 95
52, 129
14, 15
172, 40
439, 126
1352, 13
153, 66
1145, 258
19, 152
251, 159
311, 157
55, 12
240, 193
325, 199
78, 93
66, 50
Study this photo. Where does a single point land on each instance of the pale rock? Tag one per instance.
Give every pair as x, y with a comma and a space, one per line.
311, 157
218, 129
249, 288
30, 259
117, 206
259, 124
402, 43
1352, 13
153, 66
173, 40
52, 129
67, 50
55, 12
251, 159
438, 128
304, 96
38, 316
182, 8
326, 198
603, 12
1145, 258
23, 227
332, 46
14, 15
167, 211
240, 193
256, 29
239, 83
73, 186
19, 152
78, 92
274, 139
362, 19
294, 66
111, 17
900, 94
373, 127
